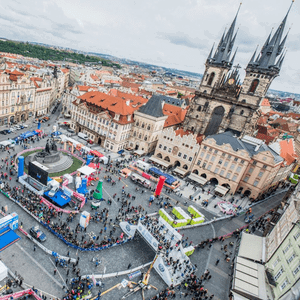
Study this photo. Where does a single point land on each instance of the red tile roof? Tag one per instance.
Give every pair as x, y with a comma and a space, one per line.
288, 151
265, 102
175, 115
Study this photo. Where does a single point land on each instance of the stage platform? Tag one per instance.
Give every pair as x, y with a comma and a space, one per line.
60, 199
7, 238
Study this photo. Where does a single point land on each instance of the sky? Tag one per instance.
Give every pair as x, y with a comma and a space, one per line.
171, 33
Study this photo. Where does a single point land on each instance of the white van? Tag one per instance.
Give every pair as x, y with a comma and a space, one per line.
83, 136
142, 165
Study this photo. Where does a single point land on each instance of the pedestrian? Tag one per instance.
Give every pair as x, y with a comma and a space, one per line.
54, 271
129, 266
34, 247
217, 261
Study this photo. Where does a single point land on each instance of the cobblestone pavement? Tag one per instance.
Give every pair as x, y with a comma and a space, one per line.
36, 267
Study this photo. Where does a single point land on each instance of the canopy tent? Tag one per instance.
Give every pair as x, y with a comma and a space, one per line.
252, 247
5, 143
169, 179
139, 152
96, 153
38, 130
199, 179
86, 170
221, 190
163, 163
181, 172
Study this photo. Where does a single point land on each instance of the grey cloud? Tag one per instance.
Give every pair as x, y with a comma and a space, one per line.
183, 39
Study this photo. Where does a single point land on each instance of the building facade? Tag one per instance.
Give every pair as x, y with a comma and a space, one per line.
106, 119
283, 253
224, 103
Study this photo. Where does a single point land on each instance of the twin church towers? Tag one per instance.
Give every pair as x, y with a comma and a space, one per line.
224, 103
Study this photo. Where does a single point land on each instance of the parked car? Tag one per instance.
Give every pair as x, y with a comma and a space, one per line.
7, 131
25, 125
17, 127
71, 130
38, 234
11, 129
3, 132
53, 191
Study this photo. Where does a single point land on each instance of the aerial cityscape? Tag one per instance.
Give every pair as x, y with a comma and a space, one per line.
149, 150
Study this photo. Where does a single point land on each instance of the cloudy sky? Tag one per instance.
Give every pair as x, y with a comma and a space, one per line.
171, 33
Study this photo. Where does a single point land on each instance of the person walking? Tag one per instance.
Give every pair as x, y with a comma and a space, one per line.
54, 271
34, 247
217, 261
129, 266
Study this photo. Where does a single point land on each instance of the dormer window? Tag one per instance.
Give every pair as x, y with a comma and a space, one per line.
117, 117
129, 118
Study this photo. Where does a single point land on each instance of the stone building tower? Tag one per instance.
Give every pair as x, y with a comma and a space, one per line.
222, 102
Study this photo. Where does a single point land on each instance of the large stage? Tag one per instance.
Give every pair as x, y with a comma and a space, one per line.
60, 199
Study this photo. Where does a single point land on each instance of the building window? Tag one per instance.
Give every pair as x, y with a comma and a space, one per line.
264, 166
204, 165
254, 86
260, 174
209, 167
229, 156
226, 164
246, 179
276, 262
279, 273
291, 258
217, 170
232, 167
220, 162
210, 150
169, 150
202, 154
160, 145
284, 284
216, 151
213, 158
223, 154
254, 162
165, 148
242, 161
205, 147
184, 156
234, 178
295, 272
255, 183
236, 159
179, 154
198, 162
222, 172
286, 249
239, 168
207, 156
190, 158
228, 175
296, 237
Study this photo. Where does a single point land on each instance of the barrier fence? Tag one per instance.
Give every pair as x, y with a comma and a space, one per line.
61, 237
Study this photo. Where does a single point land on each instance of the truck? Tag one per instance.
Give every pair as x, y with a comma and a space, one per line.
83, 136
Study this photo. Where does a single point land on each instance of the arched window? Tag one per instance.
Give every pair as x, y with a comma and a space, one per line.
148, 128
242, 112
145, 138
143, 125
211, 78
243, 101
134, 134
140, 136
254, 86
199, 108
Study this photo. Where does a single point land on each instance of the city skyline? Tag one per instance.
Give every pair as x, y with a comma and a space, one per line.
173, 34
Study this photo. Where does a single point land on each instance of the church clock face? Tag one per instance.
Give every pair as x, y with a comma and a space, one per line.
231, 81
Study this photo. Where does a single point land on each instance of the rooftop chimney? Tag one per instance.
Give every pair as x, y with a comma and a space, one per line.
127, 102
